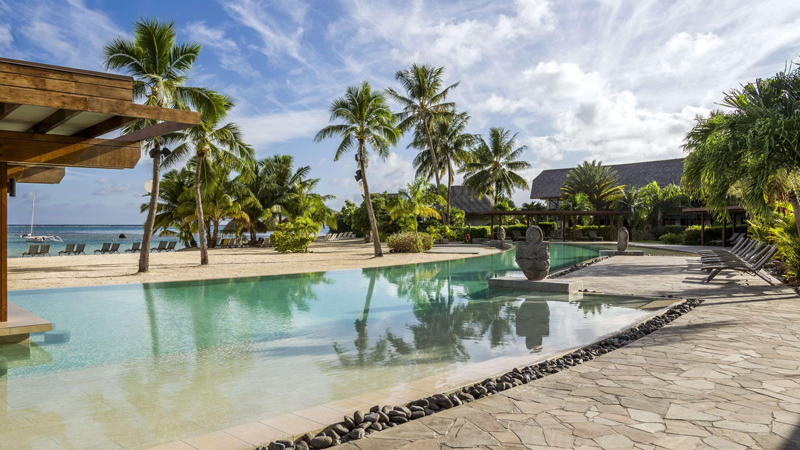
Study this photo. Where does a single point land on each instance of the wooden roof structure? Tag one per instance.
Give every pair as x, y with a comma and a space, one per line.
55, 117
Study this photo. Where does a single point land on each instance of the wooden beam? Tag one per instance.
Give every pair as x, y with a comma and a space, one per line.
106, 126
36, 174
53, 121
28, 149
7, 108
3, 242
152, 131
65, 86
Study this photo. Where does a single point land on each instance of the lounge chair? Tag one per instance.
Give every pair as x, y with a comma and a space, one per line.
32, 251
593, 236
171, 246
754, 268
135, 248
67, 251
79, 250
104, 249
161, 246
515, 234
268, 242
44, 250
114, 248
579, 235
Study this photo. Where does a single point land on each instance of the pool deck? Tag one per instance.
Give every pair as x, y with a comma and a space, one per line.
724, 376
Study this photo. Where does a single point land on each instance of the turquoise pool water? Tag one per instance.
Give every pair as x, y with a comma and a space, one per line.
221, 352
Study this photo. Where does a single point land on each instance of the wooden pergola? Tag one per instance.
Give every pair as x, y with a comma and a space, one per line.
733, 211
565, 214
53, 117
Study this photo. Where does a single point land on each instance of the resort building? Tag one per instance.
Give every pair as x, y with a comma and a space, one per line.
473, 206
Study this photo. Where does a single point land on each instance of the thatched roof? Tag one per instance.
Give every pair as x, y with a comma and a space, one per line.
668, 171
463, 198
233, 225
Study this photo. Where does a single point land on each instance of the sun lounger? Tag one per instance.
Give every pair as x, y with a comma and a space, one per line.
171, 246
67, 251
162, 245
104, 249
742, 266
114, 248
79, 250
44, 250
579, 235
515, 234
32, 251
135, 248
593, 236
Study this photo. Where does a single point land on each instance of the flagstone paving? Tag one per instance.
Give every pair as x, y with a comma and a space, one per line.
724, 376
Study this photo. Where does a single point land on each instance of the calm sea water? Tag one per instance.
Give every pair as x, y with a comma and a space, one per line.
168, 360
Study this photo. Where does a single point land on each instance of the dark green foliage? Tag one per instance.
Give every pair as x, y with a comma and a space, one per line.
671, 238
691, 235
295, 236
483, 232
409, 242
657, 232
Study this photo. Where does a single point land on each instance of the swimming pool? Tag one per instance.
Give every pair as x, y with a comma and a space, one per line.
154, 363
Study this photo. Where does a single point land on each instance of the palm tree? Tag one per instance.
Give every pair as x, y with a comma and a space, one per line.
285, 181
599, 182
210, 143
367, 120
493, 165
160, 67
576, 202
632, 202
424, 103
173, 211
658, 202
305, 202
266, 199
416, 201
218, 192
453, 145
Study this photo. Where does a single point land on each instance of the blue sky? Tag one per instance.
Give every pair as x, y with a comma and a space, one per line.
618, 81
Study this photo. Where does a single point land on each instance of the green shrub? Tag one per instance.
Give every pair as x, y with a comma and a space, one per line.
410, 242
657, 232
671, 238
294, 237
602, 231
691, 235
459, 234
442, 231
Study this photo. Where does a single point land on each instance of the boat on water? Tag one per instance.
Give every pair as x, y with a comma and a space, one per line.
30, 237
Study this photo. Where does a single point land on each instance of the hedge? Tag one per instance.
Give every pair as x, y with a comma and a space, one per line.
657, 232
483, 232
691, 236
603, 231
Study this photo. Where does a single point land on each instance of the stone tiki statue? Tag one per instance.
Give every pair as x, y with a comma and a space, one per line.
533, 255
622, 239
501, 234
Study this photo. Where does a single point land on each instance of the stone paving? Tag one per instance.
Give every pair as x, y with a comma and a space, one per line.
724, 376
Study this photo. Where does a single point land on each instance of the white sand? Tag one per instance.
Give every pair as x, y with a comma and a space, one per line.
65, 271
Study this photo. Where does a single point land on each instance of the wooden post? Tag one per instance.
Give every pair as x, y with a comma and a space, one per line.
3, 242
702, 228
611, 229
491, 229
574, 226
724, 226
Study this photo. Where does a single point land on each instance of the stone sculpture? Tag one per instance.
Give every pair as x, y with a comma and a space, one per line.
622, 239
533, 255
501, 233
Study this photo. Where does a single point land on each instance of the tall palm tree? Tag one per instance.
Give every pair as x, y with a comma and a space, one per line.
453, 146
210, 143
494, 164
160, 67
305, 202
218, 192
424, 103
173, 211
599, 182
367, 121
417, 200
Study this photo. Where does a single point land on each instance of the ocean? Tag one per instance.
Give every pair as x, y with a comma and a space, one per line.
92, 235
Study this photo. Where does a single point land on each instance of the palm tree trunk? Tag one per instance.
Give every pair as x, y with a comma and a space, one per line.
216, 231
796, 208
434, 161
144, 255
449, 186
199, 204
376, 239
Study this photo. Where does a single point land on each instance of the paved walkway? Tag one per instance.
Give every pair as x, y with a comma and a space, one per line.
724, 376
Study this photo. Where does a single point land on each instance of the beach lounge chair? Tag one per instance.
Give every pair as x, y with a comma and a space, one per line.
104, 249
268, 242
135, 248
67, 251
114, 248
44, 250
515, 234
579, 235
593, 236
32, 251
753, 268
79, 250
161, 246
171, 246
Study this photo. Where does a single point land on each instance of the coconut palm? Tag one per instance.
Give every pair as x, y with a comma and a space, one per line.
452, 145
173, 211
658, 201
492, 169
366, 121
159, 66
424, 103
218, 192
305, 202
599, 182
417, 201
577, 202
210, 143
267, 197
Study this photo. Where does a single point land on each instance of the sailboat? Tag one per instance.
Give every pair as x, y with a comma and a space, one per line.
30, 237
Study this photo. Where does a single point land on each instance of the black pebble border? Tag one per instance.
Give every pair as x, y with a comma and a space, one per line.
380, 418
571, 269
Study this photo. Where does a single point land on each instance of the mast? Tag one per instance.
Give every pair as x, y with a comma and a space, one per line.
33, 203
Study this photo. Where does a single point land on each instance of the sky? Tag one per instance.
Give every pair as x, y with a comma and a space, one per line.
612, 80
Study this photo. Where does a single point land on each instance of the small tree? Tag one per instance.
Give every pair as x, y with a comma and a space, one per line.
416, 201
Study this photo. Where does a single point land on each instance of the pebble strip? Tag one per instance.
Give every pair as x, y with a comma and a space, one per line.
580, 266
379, 418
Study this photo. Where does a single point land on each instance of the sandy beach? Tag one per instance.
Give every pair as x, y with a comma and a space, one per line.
89, 270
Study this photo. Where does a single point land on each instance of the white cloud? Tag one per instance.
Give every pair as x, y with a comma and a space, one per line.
5, 35
277, 23
271, 128
683, 50
111, 189
391, 174
230, 55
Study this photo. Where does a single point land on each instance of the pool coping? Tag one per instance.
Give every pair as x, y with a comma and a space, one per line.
321, 417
